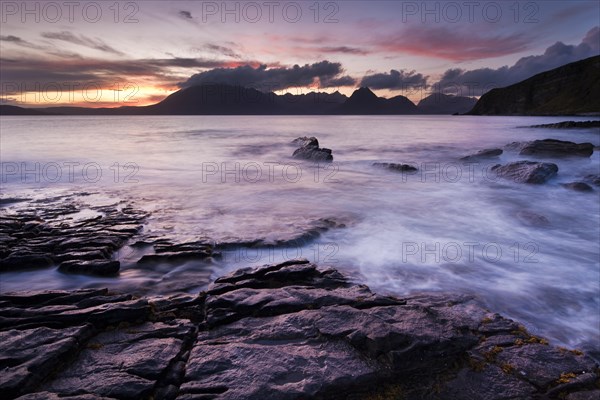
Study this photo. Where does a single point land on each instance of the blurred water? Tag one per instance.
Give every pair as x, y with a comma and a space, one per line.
450, 227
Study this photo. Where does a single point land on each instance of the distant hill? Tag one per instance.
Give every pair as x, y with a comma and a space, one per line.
15, 110
568, 90
216, 99
439, 103
222, 99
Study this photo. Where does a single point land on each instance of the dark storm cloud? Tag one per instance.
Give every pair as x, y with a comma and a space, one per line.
478, 81
81, 40
338, 82
34, 72
326, 73
394, 80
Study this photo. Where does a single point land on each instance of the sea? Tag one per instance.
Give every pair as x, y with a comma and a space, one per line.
529, 252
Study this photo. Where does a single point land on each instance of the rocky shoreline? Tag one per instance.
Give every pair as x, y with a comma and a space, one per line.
285, 331
281, 331
569, 125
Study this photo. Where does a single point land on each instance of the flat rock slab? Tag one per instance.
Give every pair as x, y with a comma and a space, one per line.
293, 331
91, 267
557, 148
34, 237
286, 331
125, 363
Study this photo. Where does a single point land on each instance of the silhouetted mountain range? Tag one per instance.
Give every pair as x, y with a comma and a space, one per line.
568, 90
364, 101
571, 89
221, 99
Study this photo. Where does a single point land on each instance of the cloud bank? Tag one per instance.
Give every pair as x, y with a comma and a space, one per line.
324, 74
395, 80
478, 81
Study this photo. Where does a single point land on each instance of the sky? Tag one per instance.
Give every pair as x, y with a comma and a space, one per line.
133, 53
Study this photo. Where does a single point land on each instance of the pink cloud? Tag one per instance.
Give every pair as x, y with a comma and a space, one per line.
450, 44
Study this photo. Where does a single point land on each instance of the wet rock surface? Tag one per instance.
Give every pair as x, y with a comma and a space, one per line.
532, 218
80, 239
569, 125
593, 179
557, 148
526, 171
130, 250
306, 141
292, 232
285, 331
396, 167
309, 150
167, 251
483, 154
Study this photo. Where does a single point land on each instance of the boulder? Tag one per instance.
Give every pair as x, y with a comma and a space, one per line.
306, 141
309, 150
313, 154
526, 171
557, 148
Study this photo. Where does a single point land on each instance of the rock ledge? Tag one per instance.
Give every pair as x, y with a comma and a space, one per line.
285, 331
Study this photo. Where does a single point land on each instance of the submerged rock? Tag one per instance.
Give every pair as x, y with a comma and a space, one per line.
593, 179
515, 146
526, 171
396, 167
578, 186
92, 267
532, 218
309, 150
557, 148
284, 331
483, 154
